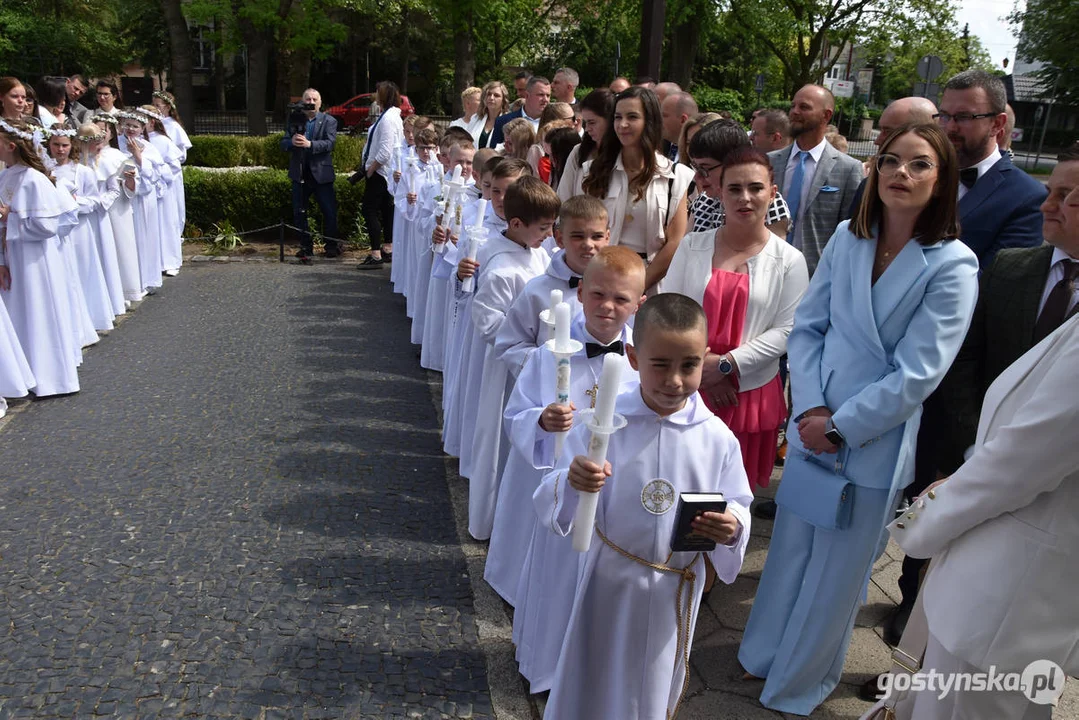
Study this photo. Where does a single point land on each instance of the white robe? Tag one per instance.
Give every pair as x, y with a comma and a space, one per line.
38, 301
523, 331
437, 315
145, 203
499, 282
182, 142
419, 262
169, 213
401, 226
16, 378
82, 324
101, 227
81, 183
117, 200
622, 658
457, 372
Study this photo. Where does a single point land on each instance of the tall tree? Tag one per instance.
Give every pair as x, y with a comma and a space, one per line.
651, 48
1047, 32
181, 53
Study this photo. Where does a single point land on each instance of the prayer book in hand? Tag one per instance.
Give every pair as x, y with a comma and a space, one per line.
691, 506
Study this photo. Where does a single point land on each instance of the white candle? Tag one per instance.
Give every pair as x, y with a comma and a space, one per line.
561, 327
481, 212
456, 174
556, 297
476, 237
584, 521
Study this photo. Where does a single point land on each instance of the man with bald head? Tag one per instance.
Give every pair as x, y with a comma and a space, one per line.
902, 112
677, 108
663, 89
817, 180
619, 84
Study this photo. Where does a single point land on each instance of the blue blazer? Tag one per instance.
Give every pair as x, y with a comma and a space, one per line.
500, 122
319, 155
872, 353
1002, 210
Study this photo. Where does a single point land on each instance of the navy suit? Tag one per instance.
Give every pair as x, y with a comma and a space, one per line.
311, 172
1001, 210
500, 122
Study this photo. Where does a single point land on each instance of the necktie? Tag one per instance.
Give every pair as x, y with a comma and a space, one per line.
594, 349
794, 192
370, 138
574, 281
1055, 311
968, 176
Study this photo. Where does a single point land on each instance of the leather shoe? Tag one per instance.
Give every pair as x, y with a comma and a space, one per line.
897, 623
332, 252
781, 453
870, 690
765, 510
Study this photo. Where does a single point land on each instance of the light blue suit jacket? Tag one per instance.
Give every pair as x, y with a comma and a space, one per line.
872, 353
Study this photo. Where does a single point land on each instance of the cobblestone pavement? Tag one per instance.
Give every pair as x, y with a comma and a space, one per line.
244, 514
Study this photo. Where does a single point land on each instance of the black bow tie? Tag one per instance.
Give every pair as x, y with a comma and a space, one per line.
574, 281
968, 176
594, 349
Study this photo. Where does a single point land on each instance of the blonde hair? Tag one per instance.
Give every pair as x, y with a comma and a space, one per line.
519, 131
470, 92
27, 154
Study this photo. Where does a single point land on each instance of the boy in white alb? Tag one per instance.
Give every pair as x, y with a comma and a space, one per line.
414, 175
513, 258
460, 154
457, 421
582, 231
626, 648
539, 566
421, 233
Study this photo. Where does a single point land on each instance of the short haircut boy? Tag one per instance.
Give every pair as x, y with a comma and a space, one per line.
531, 200
427, 136
668, 311
717, 140
458, 133
511, 167
490, 164
584, 207
618, 259
482, 157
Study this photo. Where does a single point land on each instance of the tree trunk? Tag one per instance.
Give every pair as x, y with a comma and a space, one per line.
299, 73
684, 45
182, 60
464, 61
258, 67
651, 53
219, 69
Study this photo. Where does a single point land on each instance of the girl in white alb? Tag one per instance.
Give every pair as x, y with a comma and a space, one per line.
117, 181
146, 202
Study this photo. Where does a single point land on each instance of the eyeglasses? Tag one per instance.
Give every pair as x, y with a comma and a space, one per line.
104, 93
428, 148
704, 171
962, 118
888, 164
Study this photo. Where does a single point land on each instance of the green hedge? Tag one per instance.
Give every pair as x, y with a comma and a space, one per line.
255, 199
224, 151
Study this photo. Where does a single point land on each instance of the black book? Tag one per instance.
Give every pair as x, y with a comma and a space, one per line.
690, 506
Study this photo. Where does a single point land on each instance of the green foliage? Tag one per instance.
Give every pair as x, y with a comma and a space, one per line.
1048, 33
255, 199
358, 239
713, 100
60, 37
224, 151
222, 239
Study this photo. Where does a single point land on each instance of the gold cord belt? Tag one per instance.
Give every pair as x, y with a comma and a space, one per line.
684, 614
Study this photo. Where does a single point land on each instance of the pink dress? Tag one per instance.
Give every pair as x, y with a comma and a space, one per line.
760, 412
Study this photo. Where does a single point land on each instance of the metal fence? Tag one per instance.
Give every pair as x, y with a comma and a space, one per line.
229, 123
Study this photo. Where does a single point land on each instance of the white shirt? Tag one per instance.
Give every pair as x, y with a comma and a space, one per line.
384, 141
807, 181
1056, 274
534, 121
983, 168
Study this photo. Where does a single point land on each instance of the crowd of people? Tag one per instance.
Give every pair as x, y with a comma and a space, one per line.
92, 212
713, 259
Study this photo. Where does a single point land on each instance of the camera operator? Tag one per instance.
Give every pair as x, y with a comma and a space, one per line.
310, 139
382, 141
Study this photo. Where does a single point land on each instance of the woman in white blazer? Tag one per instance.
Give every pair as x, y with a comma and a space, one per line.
749, 282
493, 102
1003, 532
645, 193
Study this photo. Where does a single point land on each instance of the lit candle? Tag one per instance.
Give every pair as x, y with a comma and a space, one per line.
584, 522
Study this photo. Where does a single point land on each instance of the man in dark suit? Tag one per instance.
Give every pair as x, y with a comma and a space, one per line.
76, 88
537, 96
817, 181
310, 169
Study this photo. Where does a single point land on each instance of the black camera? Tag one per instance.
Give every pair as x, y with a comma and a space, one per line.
297, 117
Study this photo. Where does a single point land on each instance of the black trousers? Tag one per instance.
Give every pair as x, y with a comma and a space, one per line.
930, 436
377, 209
327, 201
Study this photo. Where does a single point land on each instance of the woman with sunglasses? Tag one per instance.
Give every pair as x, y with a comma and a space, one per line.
883, 319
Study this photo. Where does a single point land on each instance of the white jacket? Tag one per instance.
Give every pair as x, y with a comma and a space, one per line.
662, 198
778, 279
389, 134
1003, 530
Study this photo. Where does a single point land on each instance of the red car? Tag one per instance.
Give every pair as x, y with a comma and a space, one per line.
354, 115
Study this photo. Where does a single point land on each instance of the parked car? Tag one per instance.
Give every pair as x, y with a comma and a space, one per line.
354, 115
